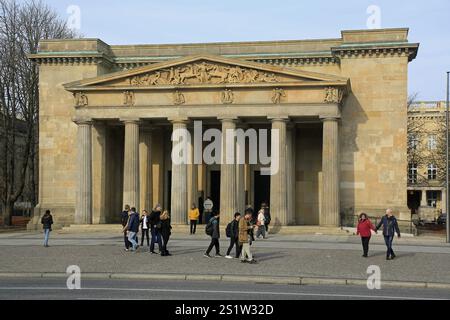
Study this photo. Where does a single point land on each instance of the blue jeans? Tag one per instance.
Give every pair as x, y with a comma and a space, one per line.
46, 236
132, 239
388, 240
156, 237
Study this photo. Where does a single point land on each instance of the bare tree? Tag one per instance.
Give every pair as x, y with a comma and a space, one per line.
22, 26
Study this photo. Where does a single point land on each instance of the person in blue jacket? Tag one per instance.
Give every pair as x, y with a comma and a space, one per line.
133, 227
390, 227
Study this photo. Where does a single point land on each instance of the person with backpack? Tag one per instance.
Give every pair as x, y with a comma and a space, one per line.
133, 227
145, 227
212, 230
244, 238
47, 221
364, 229
124, 220
194, 214
155, 229
232, 232
390, 227
165, 232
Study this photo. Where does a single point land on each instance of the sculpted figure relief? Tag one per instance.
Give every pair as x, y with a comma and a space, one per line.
81, 99
128, 98
227, 96
333, 95
203, 72
178, 98
277, 94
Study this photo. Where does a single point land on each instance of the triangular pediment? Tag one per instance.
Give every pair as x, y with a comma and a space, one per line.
204, 70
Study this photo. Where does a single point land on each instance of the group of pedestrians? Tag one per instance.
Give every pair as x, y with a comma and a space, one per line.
156, 224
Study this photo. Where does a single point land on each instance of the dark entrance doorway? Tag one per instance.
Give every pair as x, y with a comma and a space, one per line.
261, 189
215, 189
169, 189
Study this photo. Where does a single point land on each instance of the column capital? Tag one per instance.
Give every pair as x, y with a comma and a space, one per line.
278, 119
228, 119
179, 120
82, 120
130, 120
329, 118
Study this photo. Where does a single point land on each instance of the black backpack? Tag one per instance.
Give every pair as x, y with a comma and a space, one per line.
209, 228
228, 229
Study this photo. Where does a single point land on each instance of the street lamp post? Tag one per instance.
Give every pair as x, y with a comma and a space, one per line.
446, 157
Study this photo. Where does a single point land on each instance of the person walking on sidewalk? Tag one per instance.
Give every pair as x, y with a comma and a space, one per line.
165, 232
194, 214
133, 227
234, 236
390, 227
155, 229
267, 217
261, 224
47, 221
244, 238
145, 227
364, 229
124, 220
212, 229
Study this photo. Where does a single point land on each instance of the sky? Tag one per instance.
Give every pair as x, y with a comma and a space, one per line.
176, 21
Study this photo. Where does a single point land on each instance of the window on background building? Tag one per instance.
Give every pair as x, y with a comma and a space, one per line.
432, 144
432, 172
432, 198
413, 141
412, 173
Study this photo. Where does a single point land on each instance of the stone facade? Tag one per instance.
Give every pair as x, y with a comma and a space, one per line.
339, 105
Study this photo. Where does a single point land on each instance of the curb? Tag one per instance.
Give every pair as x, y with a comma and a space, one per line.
228, 278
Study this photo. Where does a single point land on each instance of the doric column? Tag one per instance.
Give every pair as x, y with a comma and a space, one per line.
278, 179
98, 173
131, 175
228, 173
179, 173
192, 174
240, 173
145, 169
330, 173
83, 210
290, 173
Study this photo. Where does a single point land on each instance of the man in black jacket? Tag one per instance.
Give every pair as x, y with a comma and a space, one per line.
124, 220
132, 228
390, 227
214, 236
234, 237
155, 229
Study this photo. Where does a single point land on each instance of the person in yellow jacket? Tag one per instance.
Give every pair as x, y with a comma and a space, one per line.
193, 217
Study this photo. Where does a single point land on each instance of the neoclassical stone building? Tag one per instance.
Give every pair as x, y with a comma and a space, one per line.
107, 113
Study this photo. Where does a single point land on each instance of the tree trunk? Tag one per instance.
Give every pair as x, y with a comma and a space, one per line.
7, 214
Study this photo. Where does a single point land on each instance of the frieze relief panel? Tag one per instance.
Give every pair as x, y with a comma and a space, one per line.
203, 73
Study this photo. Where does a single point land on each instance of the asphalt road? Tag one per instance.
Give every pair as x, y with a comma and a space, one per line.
49, 289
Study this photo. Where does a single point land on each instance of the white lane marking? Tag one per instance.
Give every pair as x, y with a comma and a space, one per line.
230, 292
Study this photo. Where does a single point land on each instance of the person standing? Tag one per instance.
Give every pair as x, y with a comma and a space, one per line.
124, 220
207, 209
390, 227
364, 229
165, 232
267, 217
260, 223
145, 227
244, 238
47, 221
234, 236
194, 214
133, 227
212, 229
155, 229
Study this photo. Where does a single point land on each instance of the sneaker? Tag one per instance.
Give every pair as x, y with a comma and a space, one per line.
393, 256
153, 252
228, 257
253, 261
126, 250
364, 255
218, 255
244, 261
207, 255
388, 258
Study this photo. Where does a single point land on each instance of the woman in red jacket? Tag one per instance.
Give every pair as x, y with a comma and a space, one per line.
364, 229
